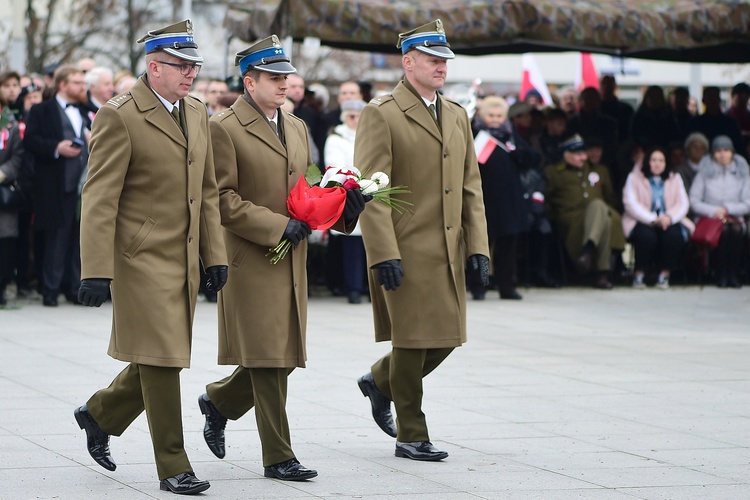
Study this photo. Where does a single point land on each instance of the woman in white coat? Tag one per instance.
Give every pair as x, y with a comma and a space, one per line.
339, 153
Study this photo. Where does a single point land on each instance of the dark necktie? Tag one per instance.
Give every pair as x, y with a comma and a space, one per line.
273, 126
432, 110
176, 115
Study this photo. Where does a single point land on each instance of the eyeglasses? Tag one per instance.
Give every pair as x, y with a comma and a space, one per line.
185, 69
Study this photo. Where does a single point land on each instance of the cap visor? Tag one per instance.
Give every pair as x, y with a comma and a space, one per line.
437, 51
280, 68
186, 54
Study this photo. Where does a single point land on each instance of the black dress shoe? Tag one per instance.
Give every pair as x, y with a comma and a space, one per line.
419, 450
381, 405
49, 299
511, 295
184, 484
213, 431
291, 470
97, 441
355, 298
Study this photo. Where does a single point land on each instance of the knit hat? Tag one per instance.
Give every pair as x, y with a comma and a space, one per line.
722, 142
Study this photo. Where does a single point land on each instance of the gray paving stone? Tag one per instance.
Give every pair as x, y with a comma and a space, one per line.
568, 394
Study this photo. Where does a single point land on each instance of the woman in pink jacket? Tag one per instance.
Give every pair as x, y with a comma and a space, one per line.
655, 219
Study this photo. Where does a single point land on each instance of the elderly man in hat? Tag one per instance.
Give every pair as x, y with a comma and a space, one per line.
261, 152
150, 212
421, 140
579, 200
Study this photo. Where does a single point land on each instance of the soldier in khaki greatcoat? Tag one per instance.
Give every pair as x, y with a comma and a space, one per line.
261, 152
150, 211
417, 283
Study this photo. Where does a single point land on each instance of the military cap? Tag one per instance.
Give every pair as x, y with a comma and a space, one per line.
265, 55
573, 143
429, 38
176, 40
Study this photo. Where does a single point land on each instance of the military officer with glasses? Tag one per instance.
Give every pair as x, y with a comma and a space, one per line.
150, 211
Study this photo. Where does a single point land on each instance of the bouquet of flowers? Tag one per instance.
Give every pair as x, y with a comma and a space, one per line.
318, 199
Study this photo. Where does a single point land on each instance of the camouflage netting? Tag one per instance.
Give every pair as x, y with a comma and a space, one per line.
679, 30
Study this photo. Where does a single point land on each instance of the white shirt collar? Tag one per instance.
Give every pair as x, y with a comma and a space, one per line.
62, 102
433, 102
166, 103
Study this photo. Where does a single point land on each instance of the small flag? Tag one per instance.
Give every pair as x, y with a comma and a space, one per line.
484, 145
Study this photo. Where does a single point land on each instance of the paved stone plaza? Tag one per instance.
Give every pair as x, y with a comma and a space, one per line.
568, 394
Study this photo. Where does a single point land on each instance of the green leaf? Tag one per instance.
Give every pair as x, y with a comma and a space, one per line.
313, 176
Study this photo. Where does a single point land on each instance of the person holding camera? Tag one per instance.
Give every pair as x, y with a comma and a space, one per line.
56, 136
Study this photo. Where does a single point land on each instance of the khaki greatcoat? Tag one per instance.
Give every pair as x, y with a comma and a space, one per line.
263, 307
397, 135
150, 211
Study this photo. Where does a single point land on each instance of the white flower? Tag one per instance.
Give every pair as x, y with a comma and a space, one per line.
381, 179
339, 175
368, 186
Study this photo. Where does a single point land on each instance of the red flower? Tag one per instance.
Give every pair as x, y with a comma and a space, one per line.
319, 207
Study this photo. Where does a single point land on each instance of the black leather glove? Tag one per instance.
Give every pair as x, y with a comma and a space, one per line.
479, 268
217, 278
355, 204
389, 273
93, 291
296, 231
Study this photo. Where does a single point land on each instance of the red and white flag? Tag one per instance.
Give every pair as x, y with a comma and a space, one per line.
587, 75
484, 145
532, 78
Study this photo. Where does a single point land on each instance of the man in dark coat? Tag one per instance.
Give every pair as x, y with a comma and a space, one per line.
57, 139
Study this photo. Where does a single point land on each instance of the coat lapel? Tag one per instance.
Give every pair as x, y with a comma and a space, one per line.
156, 113
193, 120
257, 125
414, 108
448, 120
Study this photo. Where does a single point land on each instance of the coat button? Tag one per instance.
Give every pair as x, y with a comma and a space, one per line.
447, 190
191, 200
585, 195
190, 161
445, 154
449, 227
291, 171
190, 239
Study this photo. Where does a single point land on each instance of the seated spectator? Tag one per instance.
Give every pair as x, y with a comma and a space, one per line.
580, 201
721, 189
655, 219
696, 147
504, 203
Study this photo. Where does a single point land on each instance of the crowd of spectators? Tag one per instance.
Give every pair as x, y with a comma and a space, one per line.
567, 187
609, 177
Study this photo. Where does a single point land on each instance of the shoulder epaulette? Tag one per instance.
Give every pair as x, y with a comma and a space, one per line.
382, 99
120, 100
453, 102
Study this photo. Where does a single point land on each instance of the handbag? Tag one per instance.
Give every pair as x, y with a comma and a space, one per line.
11, 196
708, 231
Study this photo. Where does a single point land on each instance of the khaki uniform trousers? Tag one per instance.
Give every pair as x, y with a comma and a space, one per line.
597, 227
398, 375
155, 389
266, 389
